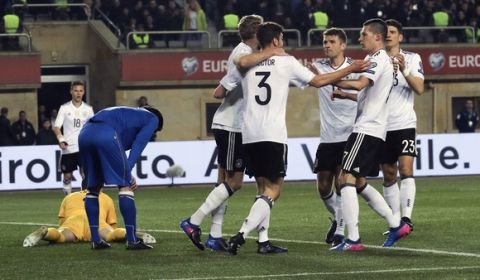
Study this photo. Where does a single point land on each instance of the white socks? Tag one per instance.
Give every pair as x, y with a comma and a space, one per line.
339, 216
350, 211
407, 196
331, 202
401, 199
259, 212
392, 196
67, 188
217, 219
214, 199
263, 229
376, 201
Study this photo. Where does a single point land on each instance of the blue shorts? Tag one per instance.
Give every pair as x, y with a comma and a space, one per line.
103, 157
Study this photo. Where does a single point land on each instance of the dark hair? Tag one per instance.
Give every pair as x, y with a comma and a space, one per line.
267, 32
340, 33
395, 23
77, 83
377, 26
248, 26
157, 114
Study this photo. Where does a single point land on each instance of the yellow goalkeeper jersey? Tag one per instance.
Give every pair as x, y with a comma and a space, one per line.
74, 205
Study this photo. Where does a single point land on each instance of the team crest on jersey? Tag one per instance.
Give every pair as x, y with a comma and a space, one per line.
238, 163
190, 65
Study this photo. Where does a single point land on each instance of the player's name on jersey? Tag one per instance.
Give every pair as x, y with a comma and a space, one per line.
267, 62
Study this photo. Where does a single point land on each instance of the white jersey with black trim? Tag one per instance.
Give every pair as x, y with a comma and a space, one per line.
372, 110
336, 116
265, 89
401, 100
229, 116
72, 119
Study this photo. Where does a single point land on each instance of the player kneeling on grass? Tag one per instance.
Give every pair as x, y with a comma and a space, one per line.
74, 223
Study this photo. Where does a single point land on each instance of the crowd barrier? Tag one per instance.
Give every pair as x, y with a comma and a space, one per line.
36, 167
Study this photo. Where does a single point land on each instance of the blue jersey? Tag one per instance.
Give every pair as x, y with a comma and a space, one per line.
104, 139
134, 126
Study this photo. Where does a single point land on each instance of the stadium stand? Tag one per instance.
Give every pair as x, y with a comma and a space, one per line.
123, 16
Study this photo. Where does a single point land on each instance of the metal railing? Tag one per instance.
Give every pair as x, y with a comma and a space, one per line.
110, 24
221, 34
183, 33
86, 8
405, 31
20, 35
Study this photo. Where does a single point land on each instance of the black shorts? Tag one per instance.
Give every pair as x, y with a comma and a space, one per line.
266, 159
399, 143
360, 157
329, 156
231, 155
69, 162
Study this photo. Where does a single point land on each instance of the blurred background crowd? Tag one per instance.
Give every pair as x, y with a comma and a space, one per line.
158, 15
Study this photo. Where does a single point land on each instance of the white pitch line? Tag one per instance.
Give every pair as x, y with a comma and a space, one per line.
417, 269
415, 250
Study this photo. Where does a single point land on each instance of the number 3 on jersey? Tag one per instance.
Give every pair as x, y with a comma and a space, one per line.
263, 84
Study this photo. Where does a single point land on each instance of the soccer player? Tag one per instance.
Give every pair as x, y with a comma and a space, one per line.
74, 223
368, 135
71, 116
227, 127
336, 123
103, 142
264, 129
401, 126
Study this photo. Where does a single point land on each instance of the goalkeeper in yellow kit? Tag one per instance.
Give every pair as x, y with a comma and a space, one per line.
74, 225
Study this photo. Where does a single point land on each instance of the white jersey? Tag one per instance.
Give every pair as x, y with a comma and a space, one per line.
229, 116
336, 116
372, 111
72, 119
265, 89
400, 103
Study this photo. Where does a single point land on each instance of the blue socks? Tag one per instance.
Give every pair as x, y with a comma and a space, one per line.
126, 201
92, 209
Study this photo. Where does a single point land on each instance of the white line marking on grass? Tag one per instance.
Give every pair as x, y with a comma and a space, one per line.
438, 252
415, 269
27, 224
416, 250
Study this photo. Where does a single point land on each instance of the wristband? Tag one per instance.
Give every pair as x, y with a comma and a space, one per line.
406, 72
60, 139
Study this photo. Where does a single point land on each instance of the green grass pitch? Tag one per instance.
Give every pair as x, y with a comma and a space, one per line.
444, 244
